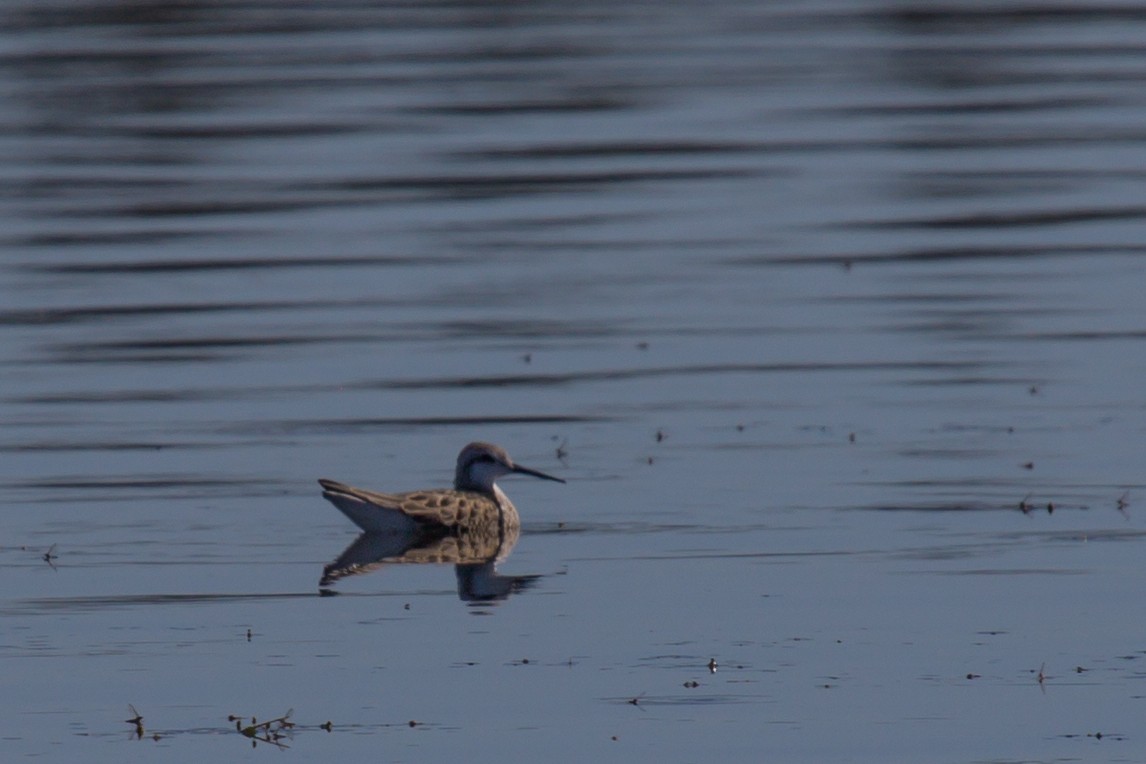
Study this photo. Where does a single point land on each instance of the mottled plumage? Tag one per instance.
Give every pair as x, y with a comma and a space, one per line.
475, 505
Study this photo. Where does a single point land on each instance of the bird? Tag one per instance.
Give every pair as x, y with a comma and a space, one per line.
474, 507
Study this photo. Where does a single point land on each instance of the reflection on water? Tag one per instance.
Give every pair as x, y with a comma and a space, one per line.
475, 557
824, 305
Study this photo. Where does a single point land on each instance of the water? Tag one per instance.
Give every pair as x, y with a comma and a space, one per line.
830, 314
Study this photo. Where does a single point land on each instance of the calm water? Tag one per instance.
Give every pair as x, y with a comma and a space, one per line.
830, 313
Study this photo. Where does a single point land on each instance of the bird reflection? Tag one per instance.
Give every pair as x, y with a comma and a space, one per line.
475, 557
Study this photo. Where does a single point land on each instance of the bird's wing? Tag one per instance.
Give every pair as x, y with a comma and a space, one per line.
385, 500
448, 508
445, 508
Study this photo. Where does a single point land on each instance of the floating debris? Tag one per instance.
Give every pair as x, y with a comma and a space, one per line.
273, 731
1095, 736
136, 720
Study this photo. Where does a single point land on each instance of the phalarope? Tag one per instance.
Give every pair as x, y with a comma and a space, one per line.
475, 505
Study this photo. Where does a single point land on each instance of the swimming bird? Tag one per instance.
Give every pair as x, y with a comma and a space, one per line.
475, 505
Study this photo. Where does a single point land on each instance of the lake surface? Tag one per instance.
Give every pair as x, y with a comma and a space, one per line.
830, 314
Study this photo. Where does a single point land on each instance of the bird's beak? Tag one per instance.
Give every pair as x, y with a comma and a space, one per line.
536, 473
